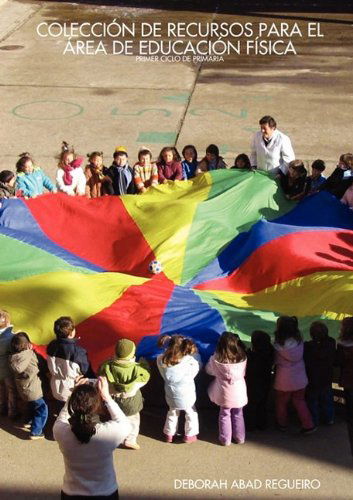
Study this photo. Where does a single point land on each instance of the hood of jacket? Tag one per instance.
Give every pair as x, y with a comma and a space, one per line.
19, 361
228, 372
290, 351
124, 374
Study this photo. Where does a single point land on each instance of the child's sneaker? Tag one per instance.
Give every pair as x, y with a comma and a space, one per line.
168, 438
225, 443
190, 439
25, 427
305, 432
34, 437
131, 446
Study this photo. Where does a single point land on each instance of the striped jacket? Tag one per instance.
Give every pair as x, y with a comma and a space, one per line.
145, 176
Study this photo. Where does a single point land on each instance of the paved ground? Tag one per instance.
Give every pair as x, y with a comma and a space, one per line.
98, 102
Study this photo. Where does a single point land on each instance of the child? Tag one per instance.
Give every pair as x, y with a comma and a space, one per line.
341, 178
211, 161
31, 180
228, 390
126, 377
121, 173
67, 361
293, 182
24, 364
97, 182
145, 171
70, 178
319, 358
189, 164
169, 167
7, 184
347, 198
258, 379
345, 362
242, 161
7, 385
316, 179
290, 378
179, 365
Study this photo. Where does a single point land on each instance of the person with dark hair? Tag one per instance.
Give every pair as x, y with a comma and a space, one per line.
126, 377
23, 363
293, 182
258, 379
228, 389
178, 366
145, 171
169, 166
87, 443
212, 160
319, 358
290, 376
189, 164
341, 178
242, 161
31, 180
121, 174
97, 182
271, 150
7, 184
67, 361
345, 362
316, 179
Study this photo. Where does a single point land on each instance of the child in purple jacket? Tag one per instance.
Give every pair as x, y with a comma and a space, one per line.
228, 390
290, 377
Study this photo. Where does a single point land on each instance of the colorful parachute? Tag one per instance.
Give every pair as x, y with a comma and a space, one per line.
235, 255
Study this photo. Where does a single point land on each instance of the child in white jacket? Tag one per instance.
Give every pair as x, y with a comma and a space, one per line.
179, 365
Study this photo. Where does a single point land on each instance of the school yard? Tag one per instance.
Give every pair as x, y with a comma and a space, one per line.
97, 102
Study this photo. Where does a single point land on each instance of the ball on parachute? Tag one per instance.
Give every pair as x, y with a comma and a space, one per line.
155, 267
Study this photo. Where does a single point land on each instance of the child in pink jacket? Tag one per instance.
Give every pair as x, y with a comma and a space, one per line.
290, 377
228, 390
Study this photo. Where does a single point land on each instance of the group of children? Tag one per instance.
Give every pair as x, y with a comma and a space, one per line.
121, 178
300, 373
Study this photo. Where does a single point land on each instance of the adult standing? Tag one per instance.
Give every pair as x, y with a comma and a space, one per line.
87, 444
271, 150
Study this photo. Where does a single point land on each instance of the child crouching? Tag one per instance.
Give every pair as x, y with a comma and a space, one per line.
126, 377
24, 365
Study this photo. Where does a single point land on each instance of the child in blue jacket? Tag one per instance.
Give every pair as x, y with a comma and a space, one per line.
31, 181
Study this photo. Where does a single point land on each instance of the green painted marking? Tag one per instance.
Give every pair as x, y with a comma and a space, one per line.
201, 111
178, 97
157, 137
78, 107
116, 112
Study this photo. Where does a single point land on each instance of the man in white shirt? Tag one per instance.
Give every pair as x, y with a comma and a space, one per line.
270, 149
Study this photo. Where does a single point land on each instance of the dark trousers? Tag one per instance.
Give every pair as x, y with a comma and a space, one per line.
255, 412
348, 396
320, 403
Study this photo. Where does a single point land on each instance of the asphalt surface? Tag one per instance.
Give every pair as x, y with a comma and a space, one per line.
99, 102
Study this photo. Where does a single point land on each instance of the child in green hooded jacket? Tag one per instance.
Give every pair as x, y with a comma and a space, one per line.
126, 377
